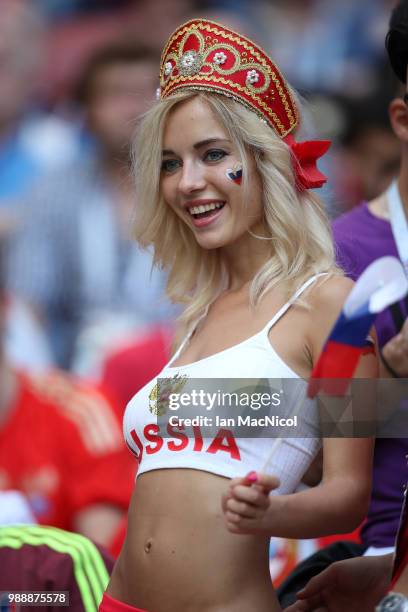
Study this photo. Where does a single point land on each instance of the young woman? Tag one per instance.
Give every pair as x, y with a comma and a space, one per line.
223, 198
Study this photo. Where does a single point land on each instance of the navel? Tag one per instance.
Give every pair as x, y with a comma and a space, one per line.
148, 545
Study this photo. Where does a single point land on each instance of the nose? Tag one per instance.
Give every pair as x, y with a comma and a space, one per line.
192, 178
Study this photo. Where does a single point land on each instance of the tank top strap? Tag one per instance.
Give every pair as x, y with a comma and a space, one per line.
291, 301
186, 339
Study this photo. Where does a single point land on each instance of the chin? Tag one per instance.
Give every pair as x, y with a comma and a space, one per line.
212, 242
209, 245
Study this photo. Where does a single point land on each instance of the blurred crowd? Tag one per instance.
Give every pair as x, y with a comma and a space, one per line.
79, 300
74, 78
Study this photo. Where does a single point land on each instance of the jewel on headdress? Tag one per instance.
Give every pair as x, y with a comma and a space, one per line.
190, 63
188, 59
168, 67
158, 93
220, 58
252, 76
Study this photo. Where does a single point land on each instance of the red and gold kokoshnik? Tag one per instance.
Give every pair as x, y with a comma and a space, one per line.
205, 55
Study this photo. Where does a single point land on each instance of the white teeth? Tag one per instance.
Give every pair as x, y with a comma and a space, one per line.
196, 210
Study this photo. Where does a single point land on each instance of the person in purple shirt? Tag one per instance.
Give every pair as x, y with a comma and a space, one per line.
361, 236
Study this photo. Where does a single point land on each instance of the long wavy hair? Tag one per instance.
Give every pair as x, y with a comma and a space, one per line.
295, 222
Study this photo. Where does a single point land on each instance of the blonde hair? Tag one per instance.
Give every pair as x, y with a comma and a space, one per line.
299, 231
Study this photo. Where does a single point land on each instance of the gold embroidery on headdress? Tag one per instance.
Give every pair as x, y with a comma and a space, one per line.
205, 63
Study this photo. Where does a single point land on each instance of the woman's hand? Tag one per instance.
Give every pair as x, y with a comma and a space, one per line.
247, 501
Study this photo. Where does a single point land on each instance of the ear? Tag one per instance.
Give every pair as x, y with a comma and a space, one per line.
398, 112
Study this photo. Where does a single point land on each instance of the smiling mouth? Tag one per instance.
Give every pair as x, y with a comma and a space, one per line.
200, 212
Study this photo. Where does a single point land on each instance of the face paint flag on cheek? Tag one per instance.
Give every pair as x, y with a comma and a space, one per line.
235, 174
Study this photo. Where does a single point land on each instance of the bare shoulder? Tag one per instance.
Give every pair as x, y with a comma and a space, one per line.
329, 294
326, 301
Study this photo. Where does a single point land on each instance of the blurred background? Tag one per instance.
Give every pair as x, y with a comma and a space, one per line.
74, 75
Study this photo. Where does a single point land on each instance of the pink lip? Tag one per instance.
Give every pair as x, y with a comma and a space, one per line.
206, 220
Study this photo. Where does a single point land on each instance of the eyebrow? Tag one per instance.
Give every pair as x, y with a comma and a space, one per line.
198, 145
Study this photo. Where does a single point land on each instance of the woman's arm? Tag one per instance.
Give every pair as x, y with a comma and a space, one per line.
340, 502
337, 505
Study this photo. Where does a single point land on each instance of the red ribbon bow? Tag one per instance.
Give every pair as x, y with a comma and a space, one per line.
305, 156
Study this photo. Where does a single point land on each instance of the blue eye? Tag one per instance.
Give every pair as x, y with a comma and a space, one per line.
170, 165
214, 155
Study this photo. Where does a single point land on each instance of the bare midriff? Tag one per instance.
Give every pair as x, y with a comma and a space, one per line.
179, 556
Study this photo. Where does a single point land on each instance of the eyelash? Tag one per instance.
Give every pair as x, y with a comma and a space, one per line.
221, 153
166, 162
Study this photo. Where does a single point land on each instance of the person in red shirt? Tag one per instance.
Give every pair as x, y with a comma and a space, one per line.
130, 367
61, 445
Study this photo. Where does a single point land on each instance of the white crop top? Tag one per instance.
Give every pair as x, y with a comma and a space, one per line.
224, 454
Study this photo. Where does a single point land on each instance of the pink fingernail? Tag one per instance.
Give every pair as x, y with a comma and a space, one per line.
252, 476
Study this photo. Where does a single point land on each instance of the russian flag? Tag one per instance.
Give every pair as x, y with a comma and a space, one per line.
381, 284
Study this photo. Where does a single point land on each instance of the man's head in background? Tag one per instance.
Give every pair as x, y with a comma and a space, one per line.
117, 85
396, 41
372, 149
396, 44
